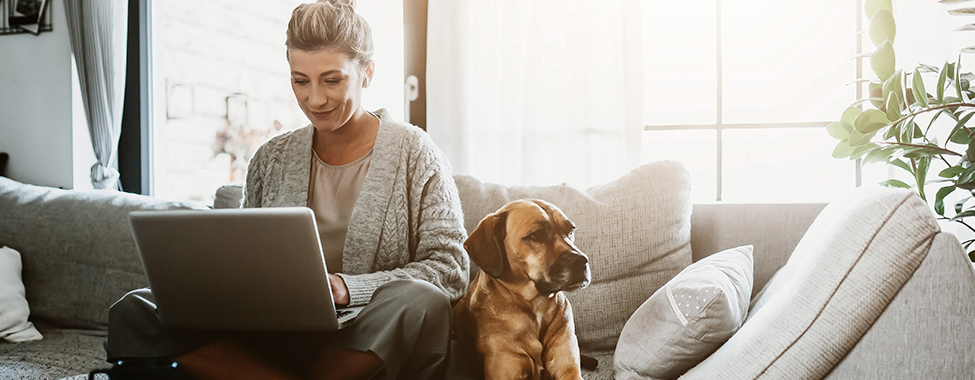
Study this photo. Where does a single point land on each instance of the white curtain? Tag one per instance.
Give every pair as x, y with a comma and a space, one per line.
536, 92
98, 30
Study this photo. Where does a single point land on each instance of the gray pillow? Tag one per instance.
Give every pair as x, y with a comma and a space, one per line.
78, 253
685, 321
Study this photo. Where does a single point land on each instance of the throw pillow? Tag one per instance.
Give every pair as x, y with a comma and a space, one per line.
636, 231
685, 321
14, 326
849, 265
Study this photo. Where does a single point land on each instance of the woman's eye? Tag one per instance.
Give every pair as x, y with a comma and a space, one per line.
332, 82
300, 81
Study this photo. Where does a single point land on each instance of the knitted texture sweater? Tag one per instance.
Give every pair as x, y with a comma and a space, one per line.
407, 222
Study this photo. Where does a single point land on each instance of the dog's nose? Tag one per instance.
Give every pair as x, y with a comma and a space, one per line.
576, 261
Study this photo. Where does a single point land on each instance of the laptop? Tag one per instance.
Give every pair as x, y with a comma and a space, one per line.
255, 269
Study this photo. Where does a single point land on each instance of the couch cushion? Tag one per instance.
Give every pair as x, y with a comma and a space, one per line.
636, 231
688, 318
852, 261
77, 248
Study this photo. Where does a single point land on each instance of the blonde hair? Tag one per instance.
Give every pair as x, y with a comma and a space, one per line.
331, 24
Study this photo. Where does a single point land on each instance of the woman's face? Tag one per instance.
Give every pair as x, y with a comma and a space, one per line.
328, 86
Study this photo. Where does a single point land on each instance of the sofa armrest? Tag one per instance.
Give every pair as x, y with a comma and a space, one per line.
774, 230
924, 332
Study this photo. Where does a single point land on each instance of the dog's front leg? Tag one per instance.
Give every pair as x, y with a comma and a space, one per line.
507, 361
561, 347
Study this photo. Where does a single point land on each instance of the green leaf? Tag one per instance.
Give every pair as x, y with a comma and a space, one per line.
857, 139
901, 164
960, 134
895, 183
862, 150
962, 12
893, 106
921, 174
872, 6
880, 154
940, 94
850, 114
906, 133
839, 130
961, 204
960, 215
951, 172
842, 149
893, 85
966, 180
882, 27
876, 92
882, 60
959, 87
939, 199
870, 121
924, 151
919, 94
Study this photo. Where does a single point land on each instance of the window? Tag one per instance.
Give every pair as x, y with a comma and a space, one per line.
221, 86
741, 91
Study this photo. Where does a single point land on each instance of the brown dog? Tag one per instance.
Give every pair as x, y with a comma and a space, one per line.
515, 322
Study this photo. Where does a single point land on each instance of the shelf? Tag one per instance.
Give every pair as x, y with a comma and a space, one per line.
7, 9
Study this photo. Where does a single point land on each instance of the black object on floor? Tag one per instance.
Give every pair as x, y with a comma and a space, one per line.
141, 369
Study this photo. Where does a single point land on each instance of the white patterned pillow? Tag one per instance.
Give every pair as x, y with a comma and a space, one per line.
14, 326
684, 322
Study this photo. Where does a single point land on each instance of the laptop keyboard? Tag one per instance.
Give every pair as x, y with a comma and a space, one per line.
342, 313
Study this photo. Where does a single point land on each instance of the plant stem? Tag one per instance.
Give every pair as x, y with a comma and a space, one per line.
966, 225
937, 148
972, 105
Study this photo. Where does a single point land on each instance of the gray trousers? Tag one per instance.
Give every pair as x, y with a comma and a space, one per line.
406, 324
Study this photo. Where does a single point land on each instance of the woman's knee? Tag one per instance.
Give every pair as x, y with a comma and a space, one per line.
420, 294
138, 301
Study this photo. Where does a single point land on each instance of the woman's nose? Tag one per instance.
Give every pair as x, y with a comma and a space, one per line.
317, 98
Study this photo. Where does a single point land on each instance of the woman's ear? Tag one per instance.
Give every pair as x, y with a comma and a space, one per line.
370, 69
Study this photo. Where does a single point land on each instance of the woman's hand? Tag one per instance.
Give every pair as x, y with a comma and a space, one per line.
340, 292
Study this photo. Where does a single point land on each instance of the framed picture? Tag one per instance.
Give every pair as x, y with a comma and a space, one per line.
27, 15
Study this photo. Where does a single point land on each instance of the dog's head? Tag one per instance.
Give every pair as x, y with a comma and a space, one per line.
530, 240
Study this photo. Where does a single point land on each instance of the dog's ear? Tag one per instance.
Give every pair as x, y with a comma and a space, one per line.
486, 245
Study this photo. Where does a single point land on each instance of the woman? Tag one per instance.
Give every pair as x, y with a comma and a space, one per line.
389, 218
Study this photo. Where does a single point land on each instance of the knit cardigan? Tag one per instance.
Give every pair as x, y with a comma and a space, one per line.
407, 222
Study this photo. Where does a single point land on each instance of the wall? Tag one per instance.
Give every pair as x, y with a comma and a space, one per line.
36, 104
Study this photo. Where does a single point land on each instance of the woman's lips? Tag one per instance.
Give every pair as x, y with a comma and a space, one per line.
322, 115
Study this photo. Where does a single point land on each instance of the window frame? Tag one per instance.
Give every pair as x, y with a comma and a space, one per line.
720, 126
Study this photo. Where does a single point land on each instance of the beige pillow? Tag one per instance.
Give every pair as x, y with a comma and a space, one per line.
636, 231
14, 326
852, 261
685, 321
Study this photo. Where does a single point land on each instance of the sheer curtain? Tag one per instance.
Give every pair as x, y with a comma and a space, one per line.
98, 37
536, 92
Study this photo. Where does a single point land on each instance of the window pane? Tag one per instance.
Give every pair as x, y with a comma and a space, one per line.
787, 61
696, 149
783, 165
221, 86
680, 79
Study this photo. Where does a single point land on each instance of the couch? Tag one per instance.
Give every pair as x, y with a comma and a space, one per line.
78, 258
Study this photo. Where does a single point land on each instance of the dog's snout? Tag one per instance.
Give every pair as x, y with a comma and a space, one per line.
575, 261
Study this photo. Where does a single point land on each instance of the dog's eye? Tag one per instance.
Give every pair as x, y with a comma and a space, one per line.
536, 236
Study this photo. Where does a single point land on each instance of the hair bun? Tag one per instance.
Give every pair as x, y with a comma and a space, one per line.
350, 3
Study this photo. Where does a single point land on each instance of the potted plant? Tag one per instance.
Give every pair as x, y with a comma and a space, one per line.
896, 123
